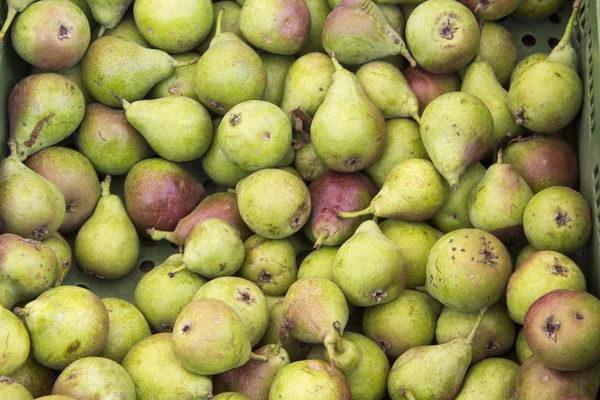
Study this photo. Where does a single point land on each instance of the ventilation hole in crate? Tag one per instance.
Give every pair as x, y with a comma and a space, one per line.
147, 242
552, 42
528, 40
83, 285
147, 266
555, 18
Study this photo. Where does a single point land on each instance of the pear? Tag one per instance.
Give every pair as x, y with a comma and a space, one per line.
393, 15
161, 295
27, 269
532, 10
109, 142
230, 22
524, 254
295, 349
115, 65
388, 90
490, 379
159, 193
177, 28
330, 193
411, 375
307, 164
178, 129
403, 141
230, 396
230, 72
273, 203
427, 86
454, 213
209, 338
156, 372
255, 134
245, 298
107, 245
30, 205
543, 161
415, 240
314, 379
526, 63
95, 377
36, 378
495, 336
276, 27
74, 175
412, 191
277, 67
319, 10
270, 264
254, 378
485, 10
558, 218
468, 269
442, 35
219, 205
307, 83
14, 7
9, 389
51, 35
498, 47
456, 129
75, 74
43, 109
83, 328
369, 268
356, 32
318, 263
498, 202
480, 81
362, 362
181, 83
521, 347
406, 322
108, 13
348, 131
541, 273
127, 326
547, 95
125, 29
14, 342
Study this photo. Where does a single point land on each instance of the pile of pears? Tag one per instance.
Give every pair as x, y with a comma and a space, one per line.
315, 199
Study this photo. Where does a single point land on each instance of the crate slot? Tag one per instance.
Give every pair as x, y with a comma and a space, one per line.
528, 40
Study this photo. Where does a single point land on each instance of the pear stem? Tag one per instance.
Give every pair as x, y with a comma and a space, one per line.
21, 312
157, 235
415, 116
256, 357
121, 100
320, 239
477, 323
566, 39
63, 268
12, 147
276, 347
219, 21
12, 12
193, 61
105, 186
101, 31
350, 214
499, 157
406, 393
330, 352
176, 270
336, 64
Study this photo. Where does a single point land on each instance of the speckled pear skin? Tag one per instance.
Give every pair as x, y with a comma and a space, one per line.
36, 378
14, 342
21, 260
319, 10
181, 83
490, 379
525, 63
456, 129
108, 13
125, 29
10, 389
499, 48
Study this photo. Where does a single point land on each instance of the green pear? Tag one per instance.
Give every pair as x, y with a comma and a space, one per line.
75, 74
83, 5
415, 240
9, 389
388, 90
30, 205
369, 268
277, 67
161, 295
107, 245
125, 29
497, 46
406, 322
525, 63
480, 81
357, 32
43, 109
456, 129
156, 372
181, 83
468, 269
230, 22
490, 379
314, 379
307, 83
27, 269
14, 7
108, 13
521, 347
117, 66
255, 134
95, 377
308, 164
318, 263
524, 254
532, 10
177, 128
36, 378
209, 337
295, 349
393, 15
497, 204
412, 191
403, 141
111, 144
230, 396
348, 131
127, 326
14, 342
175, 28
489, 11
275, 26
82, 331
454, 213
230, 72
433, 372
319, 10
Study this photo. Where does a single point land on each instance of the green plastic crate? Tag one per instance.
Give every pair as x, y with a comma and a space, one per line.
531, 37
